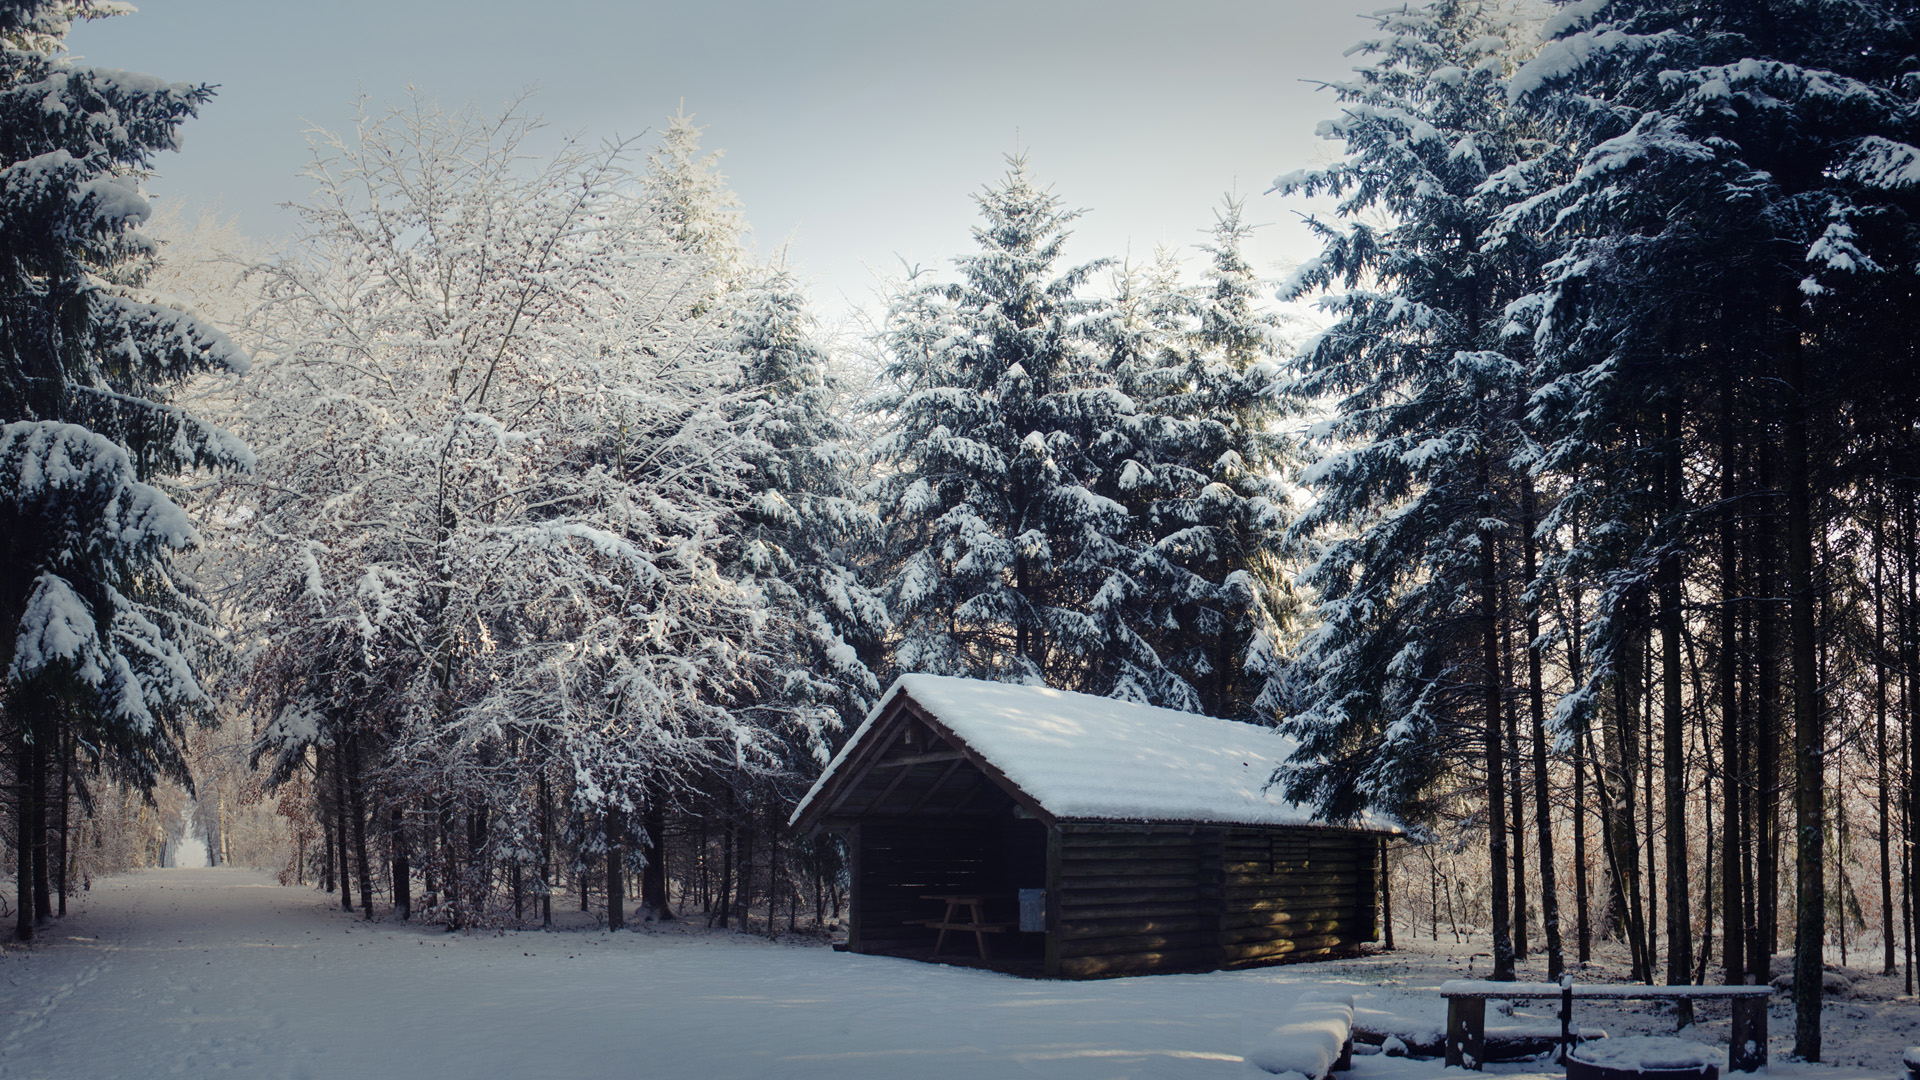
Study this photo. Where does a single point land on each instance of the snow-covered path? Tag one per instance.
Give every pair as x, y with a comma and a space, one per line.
210, 972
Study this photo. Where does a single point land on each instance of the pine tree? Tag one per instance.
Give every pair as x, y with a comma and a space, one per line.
1008, 564
1226, 526
1403, 683
102, 640
804, 522
1746, 191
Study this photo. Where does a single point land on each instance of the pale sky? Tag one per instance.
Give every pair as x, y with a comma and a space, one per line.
855, 131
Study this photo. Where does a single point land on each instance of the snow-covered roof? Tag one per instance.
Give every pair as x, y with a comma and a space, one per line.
1080, 757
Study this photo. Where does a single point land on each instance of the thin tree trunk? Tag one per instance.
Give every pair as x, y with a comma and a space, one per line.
23, 829
1809, 736
1577, 671
42, 894
725, 892
1673, 730
402, 871
1537, 715
1767, 727
358, 793
1889, 961
66, 816
1611, 836
1503, 957
773, 864
546, 849
1732, 844
338, 759
1652, 844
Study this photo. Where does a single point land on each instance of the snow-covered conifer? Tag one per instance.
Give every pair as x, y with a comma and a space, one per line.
1729, 255
1204, 433
102, 641
1403, 680
1007, 562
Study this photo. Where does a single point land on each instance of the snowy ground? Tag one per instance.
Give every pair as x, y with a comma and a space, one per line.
208, 972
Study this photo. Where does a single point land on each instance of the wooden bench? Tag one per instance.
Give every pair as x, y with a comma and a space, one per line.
976, 924
1467, 1014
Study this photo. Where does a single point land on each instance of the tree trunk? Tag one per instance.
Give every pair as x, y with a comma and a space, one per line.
743, 877
653, 877
1652, 843
42, 874
1889, 961
1537, 716
66, 817
1766, 785
402, 871
23, 828
1577, 671
340, 827
1628, 688
1673, 731
546, 849
616, 825
1503, 958
1733, 843
357, 792
1809, 735
773, 864
723, 894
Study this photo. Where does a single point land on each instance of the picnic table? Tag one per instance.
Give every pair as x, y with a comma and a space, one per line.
1467, 1013
975, 923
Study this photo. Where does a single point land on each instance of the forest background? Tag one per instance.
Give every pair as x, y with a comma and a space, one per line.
512, 534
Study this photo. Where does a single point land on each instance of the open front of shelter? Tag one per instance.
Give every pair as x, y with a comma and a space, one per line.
1048, 832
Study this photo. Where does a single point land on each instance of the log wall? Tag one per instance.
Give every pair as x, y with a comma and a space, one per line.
1136, 899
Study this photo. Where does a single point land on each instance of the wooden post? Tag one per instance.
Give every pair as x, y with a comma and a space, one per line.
856, 866
1055, 900
1466, 1032
1566, 1018
1386, 893
1747, 1044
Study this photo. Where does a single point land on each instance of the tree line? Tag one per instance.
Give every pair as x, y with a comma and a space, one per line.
548, 547
1615, 513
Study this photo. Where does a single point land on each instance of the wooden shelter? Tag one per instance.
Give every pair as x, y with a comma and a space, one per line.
1055, 832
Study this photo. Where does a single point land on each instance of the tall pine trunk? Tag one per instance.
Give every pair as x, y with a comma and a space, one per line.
357, 791
1767, 730
1889, 962
1537, 716
1809, 735
402, 869
23, 829
1673, 732
1732, 844
1503, 957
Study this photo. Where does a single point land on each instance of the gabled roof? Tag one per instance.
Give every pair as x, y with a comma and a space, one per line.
1075, 757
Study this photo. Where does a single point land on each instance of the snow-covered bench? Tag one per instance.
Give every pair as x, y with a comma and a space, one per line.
1467, 1013
1315, 1039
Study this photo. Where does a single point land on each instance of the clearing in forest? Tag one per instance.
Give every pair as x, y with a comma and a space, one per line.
204, 972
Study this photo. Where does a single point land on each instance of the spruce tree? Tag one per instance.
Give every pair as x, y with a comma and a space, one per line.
1201, 470
1742, 211
1007, 563
102, 641
1403, 684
